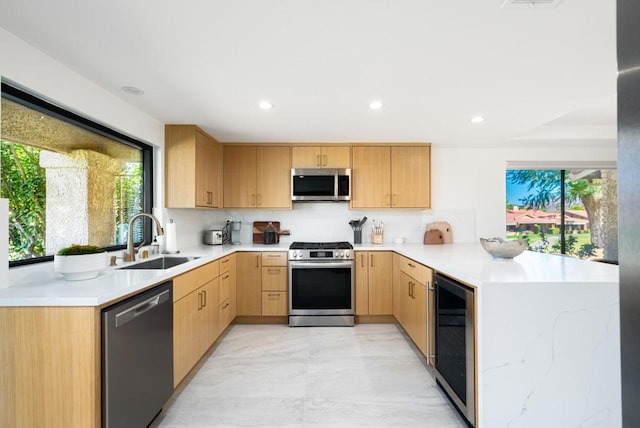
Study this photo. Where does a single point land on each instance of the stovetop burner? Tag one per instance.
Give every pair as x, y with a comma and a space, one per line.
320, 246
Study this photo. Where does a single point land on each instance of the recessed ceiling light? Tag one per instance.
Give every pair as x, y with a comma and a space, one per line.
477, 119
132, 90
375, 105
265, 105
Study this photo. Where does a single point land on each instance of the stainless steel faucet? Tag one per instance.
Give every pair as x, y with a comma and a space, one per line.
129, 254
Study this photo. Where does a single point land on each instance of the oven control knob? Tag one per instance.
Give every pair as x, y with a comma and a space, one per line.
340, 253
299, 254
346, 254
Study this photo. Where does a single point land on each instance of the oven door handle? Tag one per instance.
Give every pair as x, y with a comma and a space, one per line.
319, 264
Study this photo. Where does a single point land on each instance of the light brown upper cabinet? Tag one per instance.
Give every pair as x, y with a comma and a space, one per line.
193, 168
257, 176
321, 157
391, 176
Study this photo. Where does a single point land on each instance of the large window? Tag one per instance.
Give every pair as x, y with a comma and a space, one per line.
565, 211
68, 180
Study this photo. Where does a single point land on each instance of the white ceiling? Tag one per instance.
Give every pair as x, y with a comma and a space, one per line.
540, 76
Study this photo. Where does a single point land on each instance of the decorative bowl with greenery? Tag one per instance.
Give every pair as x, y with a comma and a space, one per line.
79, 262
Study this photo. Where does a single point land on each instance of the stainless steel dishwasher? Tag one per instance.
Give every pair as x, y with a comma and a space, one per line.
137, 358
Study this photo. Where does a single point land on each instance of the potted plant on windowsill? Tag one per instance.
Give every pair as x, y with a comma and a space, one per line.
79, 262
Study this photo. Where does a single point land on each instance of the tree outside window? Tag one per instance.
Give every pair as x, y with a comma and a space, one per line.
570, 212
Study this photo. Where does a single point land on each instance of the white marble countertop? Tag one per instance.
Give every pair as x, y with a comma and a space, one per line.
38, 285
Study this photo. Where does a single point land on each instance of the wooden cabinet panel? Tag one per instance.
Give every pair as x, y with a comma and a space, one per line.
414, 307
391, 177
374, 286
240, 175
362, 282
272, 258
50, 367
275, 303
189, 281
274, 177
274, 278
371, 177
195, 327
410, 177
257, 177
193, 168
249, 283
321, 157
186, 335
380, 283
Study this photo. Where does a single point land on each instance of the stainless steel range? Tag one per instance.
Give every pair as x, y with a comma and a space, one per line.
321, 284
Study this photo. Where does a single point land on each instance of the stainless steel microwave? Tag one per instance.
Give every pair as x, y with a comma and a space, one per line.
320, 184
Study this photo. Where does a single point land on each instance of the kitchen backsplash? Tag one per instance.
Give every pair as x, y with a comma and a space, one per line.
322, 222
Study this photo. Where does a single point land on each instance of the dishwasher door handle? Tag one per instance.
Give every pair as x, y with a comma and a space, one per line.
125, 316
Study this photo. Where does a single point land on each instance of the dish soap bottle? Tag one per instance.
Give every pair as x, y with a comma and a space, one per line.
270, 234
155, 247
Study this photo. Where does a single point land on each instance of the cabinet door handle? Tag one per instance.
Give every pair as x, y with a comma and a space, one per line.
273, 271
272, 295
388, 200
199, 300
258, 260
324, 160
411, 265
225, 277
371, 256
225, 261
273, 256
361, 260
395, 199
209, 198
259, 199
226, 306
204, 298
253, 199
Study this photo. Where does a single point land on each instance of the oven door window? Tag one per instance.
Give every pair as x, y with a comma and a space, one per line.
321, 288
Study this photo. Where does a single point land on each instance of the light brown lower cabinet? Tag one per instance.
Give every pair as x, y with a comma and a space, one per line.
195, 327
50, 367
227, 299
249, 283
373, 282
411, 281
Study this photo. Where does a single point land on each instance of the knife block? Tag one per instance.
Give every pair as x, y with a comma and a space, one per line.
377, 238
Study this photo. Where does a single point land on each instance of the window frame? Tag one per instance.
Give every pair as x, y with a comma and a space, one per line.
11, 92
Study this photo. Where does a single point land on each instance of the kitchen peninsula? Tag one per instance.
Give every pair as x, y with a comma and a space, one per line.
547, 327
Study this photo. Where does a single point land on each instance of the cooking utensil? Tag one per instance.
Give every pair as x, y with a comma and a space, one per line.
362, 221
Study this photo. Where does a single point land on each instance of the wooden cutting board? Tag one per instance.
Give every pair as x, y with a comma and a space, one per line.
445, 228
258, 231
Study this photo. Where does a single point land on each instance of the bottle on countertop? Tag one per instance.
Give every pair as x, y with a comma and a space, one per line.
155, 247
270, 234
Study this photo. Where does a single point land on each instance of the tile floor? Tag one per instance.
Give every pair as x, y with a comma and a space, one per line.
277, 376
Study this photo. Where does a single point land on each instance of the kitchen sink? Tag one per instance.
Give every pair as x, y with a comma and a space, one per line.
161, 263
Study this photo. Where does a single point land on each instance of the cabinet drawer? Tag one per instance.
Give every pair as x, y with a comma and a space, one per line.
228, 264
415, 270
274, 303
274, 278
189, 281
270, 258
225, 286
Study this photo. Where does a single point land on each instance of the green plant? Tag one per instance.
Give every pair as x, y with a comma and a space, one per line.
76, 250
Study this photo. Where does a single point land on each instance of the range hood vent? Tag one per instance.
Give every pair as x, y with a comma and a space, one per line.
530, 4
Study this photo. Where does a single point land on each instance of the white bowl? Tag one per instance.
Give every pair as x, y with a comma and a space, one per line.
80, 267
501, 249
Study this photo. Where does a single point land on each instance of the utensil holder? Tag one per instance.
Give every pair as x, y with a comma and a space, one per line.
357, 236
